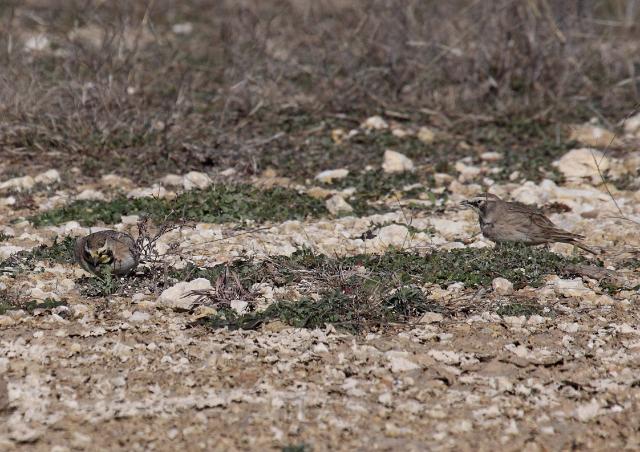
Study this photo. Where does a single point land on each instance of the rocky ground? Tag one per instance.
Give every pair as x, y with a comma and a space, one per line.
293, 172
519, 349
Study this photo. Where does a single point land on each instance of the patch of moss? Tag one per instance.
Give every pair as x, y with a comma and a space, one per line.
516, 309
48, 303
297, 448
528, 146
217, 204
377, 142
472, 266
59, 251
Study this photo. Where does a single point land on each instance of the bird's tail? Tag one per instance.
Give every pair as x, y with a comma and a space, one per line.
582, 246
560, 235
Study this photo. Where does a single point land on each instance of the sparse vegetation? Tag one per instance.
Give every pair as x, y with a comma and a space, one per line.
217, 204
235, 88
46, 304
5, 303
525, 308
226, 203
375, 185
13, 301
369, 291
101, 285
60, 251
171, 102
297, 448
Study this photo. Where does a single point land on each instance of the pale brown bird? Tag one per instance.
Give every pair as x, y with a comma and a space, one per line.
112, 251
502, 221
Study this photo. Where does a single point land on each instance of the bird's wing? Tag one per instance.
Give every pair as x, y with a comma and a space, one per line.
552, 231
514, 220
78, 249
523, 208
126, 241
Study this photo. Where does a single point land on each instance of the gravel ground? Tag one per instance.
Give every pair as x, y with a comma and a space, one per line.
125, 372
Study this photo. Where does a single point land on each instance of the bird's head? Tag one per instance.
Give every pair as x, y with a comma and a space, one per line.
480, 203
98, 256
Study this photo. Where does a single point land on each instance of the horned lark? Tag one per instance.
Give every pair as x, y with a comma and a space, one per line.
502, 221
114, 251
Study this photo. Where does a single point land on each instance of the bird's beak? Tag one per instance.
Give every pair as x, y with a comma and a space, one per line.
94, 258
103, 256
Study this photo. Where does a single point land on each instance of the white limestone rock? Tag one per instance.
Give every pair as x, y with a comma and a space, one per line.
18, 183
337, 204
393, 235
491, 156
90, 195
48, 177
632, 125
572, 288
395, 162
196, 179
467, 172
178, 297
502, 286
172, 180
583, 163
592, 135
375, 123
426, 135
449, 229
329, 175
8, 250
399, 361
155, 191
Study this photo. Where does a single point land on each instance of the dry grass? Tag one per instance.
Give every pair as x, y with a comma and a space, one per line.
117, 81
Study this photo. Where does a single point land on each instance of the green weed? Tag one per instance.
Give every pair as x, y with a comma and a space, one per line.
6, 304
48, 303
217, 204
517, 309
60, 251
365, 292
297, 448
100, 285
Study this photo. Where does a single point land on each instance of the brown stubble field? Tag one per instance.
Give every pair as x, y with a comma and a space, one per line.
360, 309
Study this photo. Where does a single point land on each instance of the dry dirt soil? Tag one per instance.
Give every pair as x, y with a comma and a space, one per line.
551, 364
280, 307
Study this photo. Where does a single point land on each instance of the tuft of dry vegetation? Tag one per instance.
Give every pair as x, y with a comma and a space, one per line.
163, 86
